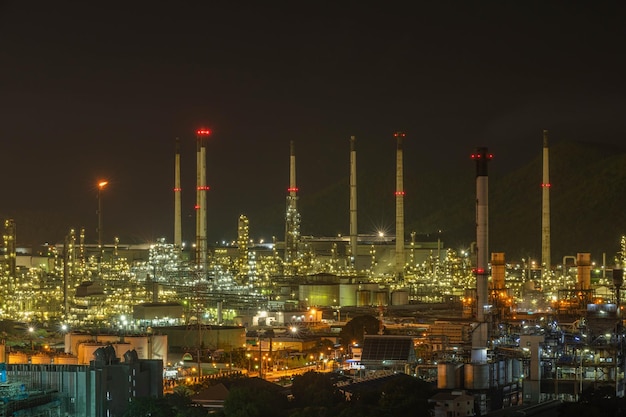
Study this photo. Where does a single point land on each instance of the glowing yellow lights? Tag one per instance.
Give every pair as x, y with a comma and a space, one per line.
102, 184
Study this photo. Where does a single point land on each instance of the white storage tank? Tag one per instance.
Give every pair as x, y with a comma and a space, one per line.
364, 298
400, 298
381, 298
347, 294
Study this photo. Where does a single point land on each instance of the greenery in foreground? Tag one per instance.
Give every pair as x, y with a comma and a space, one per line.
314, 395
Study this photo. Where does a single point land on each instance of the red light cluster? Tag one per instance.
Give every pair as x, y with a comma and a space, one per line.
399, 192
548, 185
177, 189
203, 132
478, 156
204, 188
292, 189
401, 134
478, 271
196, 207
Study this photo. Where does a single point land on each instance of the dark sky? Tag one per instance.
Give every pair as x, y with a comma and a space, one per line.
101, 90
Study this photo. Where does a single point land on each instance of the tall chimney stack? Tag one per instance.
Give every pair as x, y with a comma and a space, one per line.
178, 234
399, 208
353, 200
482, 158
201, 189
545, 209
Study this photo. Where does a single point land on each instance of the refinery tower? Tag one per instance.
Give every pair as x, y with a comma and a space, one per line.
292, 217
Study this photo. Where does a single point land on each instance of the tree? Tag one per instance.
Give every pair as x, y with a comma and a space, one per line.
355, 329
248, 398
148, 406
405, 395
314, 389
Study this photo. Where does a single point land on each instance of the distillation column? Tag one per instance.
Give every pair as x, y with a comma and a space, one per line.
178, 234
292, 217
201, 189
399, 208
545, 210
353, 200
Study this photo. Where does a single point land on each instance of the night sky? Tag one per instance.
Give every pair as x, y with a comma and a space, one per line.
101, 90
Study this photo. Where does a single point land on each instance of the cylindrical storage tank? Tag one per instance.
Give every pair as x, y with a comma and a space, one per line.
501, 372
371, 286
40, 358
479, 355
140, 344
363, 298
400, 298
121, 348
318, 294
107, 338
86, 352
65, 360
381, 298
477, 376
516, 366
158, 347
509, 371
17, 357
347, 294
449, 375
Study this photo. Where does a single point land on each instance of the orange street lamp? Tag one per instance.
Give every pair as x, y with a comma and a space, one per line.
101, 185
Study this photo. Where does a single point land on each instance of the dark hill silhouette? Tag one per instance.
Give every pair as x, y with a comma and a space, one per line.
588, 201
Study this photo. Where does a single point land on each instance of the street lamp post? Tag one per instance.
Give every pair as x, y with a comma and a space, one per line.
101, 185
31, 332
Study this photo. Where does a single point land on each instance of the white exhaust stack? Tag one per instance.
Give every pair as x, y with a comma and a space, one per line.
482, 158
201, 189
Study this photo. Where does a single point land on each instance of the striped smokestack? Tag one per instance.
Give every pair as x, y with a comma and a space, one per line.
353, 213
545, 209
178, 234
399, 208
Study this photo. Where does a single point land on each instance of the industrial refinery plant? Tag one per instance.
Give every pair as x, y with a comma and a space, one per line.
498, 332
